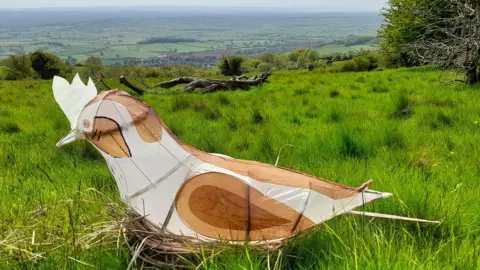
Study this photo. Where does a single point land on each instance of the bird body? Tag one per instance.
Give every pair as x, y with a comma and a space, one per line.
189, 192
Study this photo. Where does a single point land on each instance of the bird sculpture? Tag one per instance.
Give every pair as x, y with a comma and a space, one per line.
189, 192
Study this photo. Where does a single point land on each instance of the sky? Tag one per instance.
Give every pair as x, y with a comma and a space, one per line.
360, 5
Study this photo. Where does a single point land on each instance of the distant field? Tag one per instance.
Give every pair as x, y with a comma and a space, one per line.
111, 37
346, 127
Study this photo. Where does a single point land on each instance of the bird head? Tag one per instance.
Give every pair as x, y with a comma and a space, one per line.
112, 120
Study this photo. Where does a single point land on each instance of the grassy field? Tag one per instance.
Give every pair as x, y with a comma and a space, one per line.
412, 135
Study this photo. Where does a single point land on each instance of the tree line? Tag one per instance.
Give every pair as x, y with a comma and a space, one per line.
45, 65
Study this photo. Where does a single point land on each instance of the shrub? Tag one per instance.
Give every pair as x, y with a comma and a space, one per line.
348, 66
182, 70
264, 67
47, 65
231, 65
94, 65
322, 64
18, 67
362, 63
268, 58
250, 65
152, 73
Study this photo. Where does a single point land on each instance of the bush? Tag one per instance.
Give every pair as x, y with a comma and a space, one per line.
264, 67
281, 61
94, 65
322, 64
47, 65
267, 58
250, 65
362, 63
18, 67
348, 66
231, 65
152, 73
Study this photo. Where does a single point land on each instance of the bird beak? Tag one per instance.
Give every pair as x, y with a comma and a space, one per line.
71, 136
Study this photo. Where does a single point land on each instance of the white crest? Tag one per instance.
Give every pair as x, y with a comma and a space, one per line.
72, 98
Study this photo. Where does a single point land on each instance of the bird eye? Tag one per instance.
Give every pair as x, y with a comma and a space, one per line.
86, 123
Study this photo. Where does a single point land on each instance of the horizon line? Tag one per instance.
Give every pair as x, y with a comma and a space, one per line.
308, 9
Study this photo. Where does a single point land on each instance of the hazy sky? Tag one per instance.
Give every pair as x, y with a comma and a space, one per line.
373, 5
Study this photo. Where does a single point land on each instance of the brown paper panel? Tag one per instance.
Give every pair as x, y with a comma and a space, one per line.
221, 206
108, 137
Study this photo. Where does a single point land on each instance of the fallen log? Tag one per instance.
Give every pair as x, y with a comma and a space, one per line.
204, 85
136, 89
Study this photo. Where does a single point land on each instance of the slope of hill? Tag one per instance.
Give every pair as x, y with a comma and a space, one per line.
412, 135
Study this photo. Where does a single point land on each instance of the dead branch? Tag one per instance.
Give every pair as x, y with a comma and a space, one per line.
203, 85
237, 78
137, 90
104, 84
174, 82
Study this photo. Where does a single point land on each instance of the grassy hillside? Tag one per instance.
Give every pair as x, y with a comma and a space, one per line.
413, 136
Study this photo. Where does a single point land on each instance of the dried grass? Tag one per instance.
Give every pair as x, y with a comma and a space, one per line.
150, 245
157, 246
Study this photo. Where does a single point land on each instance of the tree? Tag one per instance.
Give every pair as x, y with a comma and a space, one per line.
452, 36
94, 65
402, 26
47, 65
71, 61
444, 33
231, 65
18, 67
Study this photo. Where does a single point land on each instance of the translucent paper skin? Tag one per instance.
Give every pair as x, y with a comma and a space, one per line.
193, 193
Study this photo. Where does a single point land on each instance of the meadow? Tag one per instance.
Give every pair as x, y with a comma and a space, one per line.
415, 137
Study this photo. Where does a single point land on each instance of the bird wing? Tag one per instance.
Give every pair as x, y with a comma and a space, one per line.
221, 206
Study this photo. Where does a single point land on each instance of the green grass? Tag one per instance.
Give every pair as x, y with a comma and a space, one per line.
429, 159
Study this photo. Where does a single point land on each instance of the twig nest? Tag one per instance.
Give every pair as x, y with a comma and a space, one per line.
159, 247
